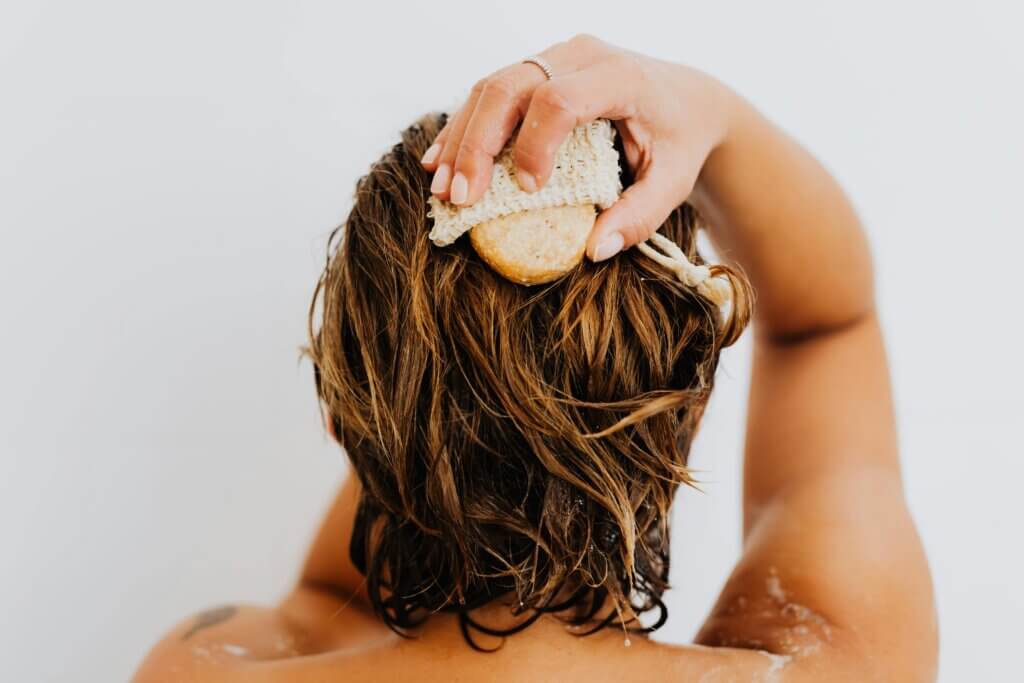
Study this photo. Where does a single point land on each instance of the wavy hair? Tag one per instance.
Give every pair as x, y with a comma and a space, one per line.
510, 441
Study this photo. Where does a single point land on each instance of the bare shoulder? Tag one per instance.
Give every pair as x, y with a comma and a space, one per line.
833, 573
809, 662
316, 638
822, 583
195, 648
254, 643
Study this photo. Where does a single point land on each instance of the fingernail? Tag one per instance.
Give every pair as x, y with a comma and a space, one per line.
441, 176
609, 246
460, 189
526, 181
430, 156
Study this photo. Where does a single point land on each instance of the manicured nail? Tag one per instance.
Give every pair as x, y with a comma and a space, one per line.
430, 156
609, 246
441, 176
460, 189
526, 181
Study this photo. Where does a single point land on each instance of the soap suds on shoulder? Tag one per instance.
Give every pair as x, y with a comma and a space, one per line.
774, 586
806, 630
235, 650
776, 663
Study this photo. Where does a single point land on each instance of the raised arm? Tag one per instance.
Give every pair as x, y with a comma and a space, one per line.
832, 562
832, 572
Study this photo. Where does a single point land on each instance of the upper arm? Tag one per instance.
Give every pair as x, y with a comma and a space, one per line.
328, 565
832, 571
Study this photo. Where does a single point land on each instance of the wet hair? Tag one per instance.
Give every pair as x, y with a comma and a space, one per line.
510, 442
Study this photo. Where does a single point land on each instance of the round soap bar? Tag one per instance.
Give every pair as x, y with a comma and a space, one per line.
535, 246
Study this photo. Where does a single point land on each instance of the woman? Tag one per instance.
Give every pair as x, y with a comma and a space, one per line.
517, 449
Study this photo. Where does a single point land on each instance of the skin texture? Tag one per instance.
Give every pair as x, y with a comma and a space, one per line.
832, 583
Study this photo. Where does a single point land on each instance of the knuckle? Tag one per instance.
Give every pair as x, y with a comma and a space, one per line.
452, 137
478, 87
626, 64
550, 95
470, 148
499, 86
531, 159
586, 41
635, 226
448, 153
643, 71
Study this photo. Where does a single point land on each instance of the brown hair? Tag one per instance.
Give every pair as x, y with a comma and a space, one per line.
509, 440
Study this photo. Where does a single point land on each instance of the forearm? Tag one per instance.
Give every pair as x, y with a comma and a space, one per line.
774, 210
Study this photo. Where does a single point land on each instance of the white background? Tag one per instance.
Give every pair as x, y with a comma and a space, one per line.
169, 173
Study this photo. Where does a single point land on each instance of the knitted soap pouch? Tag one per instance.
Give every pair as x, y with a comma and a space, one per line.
586, 171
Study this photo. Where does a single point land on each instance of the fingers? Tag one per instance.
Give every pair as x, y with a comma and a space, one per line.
445, 158
462, 157
433, 154
499, 109
638, 213
606, 89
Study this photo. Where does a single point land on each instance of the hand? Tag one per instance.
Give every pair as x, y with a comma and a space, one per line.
670, 118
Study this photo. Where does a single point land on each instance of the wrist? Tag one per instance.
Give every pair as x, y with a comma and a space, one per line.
715, 105
734, 118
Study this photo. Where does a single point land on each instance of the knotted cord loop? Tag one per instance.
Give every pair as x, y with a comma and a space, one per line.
672, 258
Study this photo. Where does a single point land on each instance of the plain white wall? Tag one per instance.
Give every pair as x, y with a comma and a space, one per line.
169, 173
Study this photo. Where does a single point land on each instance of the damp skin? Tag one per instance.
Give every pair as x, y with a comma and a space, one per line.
791, 630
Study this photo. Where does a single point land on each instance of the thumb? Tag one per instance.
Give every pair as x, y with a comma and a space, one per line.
638, 214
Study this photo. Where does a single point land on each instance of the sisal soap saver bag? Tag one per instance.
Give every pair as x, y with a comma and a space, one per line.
536, 238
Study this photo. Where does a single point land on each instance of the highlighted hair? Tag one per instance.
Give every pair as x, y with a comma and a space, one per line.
510, 441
